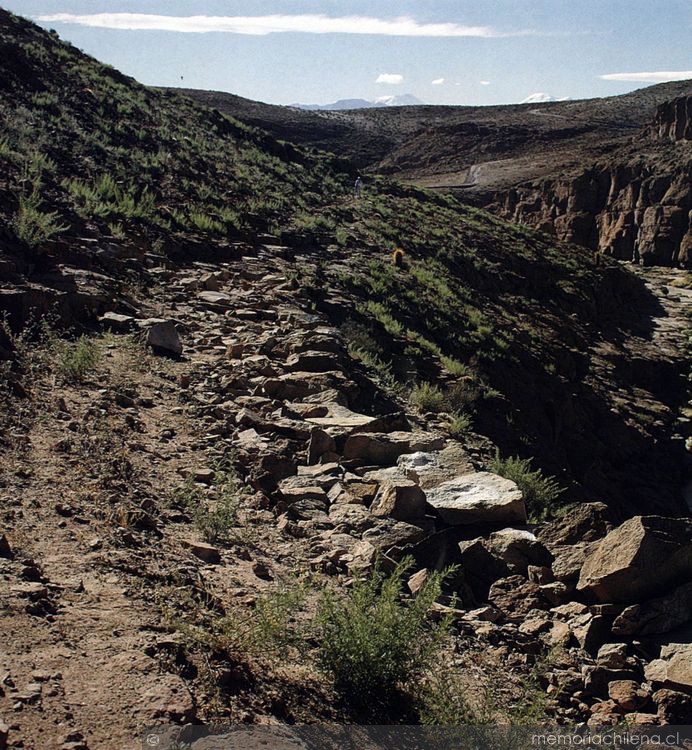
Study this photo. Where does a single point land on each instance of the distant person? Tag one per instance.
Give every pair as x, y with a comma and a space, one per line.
358, 187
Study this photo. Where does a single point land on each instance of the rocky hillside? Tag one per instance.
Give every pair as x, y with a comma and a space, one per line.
266, 448
611, 174
635, 205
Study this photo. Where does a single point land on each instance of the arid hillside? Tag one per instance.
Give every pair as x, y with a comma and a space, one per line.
274, 454
611, 174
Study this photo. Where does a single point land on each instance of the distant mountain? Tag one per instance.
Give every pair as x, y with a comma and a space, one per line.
540, 98
398, 100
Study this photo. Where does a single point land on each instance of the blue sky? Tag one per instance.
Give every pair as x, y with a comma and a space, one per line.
476, 51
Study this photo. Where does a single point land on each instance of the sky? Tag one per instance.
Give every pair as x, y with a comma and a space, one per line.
441, 51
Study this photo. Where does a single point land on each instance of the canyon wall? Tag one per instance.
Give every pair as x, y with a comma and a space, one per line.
637, 205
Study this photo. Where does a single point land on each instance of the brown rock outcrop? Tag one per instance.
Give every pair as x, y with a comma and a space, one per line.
641, 558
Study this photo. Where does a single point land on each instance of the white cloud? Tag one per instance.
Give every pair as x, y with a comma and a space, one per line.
484, 83
438, 81
659, 76
394, 78
275, 24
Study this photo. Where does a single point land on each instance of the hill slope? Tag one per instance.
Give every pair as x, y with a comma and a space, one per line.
234, 397
584, 170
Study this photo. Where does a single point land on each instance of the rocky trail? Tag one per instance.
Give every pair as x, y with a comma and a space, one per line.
99, 555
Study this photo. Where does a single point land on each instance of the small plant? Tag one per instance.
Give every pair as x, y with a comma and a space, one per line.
541, 493
77, 359
33, 226
445, 699
382, 368
371, 642
455, 367
216, 515
429, 397
459, 424
463, 395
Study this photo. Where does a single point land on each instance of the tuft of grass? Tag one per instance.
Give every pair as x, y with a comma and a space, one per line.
541, 493
444, 700
429, 397
215, 516
459, 424
372, 643
455, 367
77, 359
32, 225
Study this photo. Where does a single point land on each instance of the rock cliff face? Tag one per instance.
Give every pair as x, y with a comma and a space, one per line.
634, 206
673, 120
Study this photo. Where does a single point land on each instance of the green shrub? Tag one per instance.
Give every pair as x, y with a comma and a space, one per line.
463, 395
444, 699
215, 516
541, 493
428, 397
371, 642
459, 424
76, 359
33, 226
382, 368
455, 367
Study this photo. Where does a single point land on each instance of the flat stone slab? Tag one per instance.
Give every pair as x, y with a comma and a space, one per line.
478, 498
432, 469
214, 298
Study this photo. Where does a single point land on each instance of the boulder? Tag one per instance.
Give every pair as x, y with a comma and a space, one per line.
627, 694
612, 656
585, 522
673, 669
313, 362
401, 499
116, 322
162, 336
214, 299
569, 560
5, 548
204, 551
298, 386
674, 707
391, 536
349, 518
518, 549
320, 443
515, 597
605, 713
432, 469
639, 559
383, 449
478, 498
597, 678
308, 492
590, 631
657, 615
339, 419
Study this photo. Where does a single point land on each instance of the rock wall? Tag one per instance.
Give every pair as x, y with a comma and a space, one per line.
633, 207
673, 121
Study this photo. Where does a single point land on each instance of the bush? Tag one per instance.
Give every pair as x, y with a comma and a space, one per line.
428, 397
443, 699
77, 359
371, 642
33, 226
463, 395
213, 517
541, 493
459, 424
